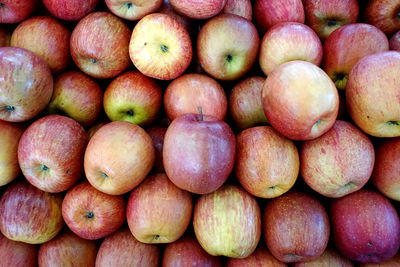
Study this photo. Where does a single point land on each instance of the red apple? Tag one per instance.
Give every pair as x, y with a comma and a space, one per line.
133, 9
383, 14
5, 36
260, 257
198, 9
14, 11
26, 84
17, 254
330, 257
157, 134
72, 10
241, 8
394, 42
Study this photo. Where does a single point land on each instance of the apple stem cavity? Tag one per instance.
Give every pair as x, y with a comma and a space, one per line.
272, 187
396, 123
164, 48
1, 5
229, 57
44, 167
130, 113
104, 175
94, 61
200, 109
89, 215
332, 23
156, 237
128, 4
8, 107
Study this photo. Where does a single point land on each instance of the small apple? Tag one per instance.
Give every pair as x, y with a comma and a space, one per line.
241, 8
383, 14
17, 254
394, 42
157, 134
330, 257
133, 9
71, 10
261, 257
12, 11
198, 9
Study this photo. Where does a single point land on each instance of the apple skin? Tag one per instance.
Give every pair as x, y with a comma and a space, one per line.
50, 153
394, 42
289, 41
70, 10
100, 45
383, 14
296, 227
300, 100
227, 46
122, 249
261, 257
30, 215
133, 97
67, 249
26, 84
393, 261
241, 8
186, 22
347, 45
330, 257
5, 36
339, 162
198, 9
15, 11
374, 110
17, 254
157, 134
92, 130
227, 222
133, 9
275, 172
199, 153
365, 226
92, 214
325, 16
189, 91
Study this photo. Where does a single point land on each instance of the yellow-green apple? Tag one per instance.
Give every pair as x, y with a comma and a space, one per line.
227, 222
198, 9
92, 214
244, 104
392, 262
227, 46
133, 9
186, 251
160, 47
17, 254
199, 152
157, 134
158, 211
372, 94
14, 11
365, 226
267, 13
261, 257
189, 91
347, 45
26, 84
383, 14
118, 170
296, 227
339, 162
300, 100
100, 45
394, 42
122, 249
271, 174
30, 215
241, 8
133, 97
70, 10
50, 153
77, 96
67, 249
46, 37
10, 135
5, 35
186, 22
329, 258
289, 41
386, 173
325, 16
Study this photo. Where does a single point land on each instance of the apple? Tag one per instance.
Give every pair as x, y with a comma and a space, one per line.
67, 249
186, 22
227, 46
199, 152
71, 10
300, 100
348, 44
12, 11
5, 35
160, 47
384, 15
365, 226
330, 257
122, 249
260, 257
92, 214
157, 134
325, 16
77, 96
118, 170
100, 45
339, 162
241, 8
275, 172
26, 84
289, 41
17, 254
198, 9
372, 94
133, 97
227, 222
133, 9
157, 211
189, 91
393, 261
296, 227
30, 215
50, 153
394, 42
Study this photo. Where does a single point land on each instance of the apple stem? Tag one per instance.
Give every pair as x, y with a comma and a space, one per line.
8, 107
44, 167
393, 123
128, 5
156, 237
200, 109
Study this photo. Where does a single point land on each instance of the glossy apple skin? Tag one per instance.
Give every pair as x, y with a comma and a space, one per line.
157, 134
227, 46
289, 41
339, 162
30, 215
92, 214
383, 14
365, 226
5, 35
190, 91
300, 100
199, 153
26, 84
372, 94
14, 11
296, 227
260, 257
17, 254
100, 45
198, 9
50, 153
330, 257
394, 42
70, 10
134, 9
241, 8
227, 222
346, 46
122, 249
67, 249
271, 174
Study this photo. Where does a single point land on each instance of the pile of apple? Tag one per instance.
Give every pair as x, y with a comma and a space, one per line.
199, 133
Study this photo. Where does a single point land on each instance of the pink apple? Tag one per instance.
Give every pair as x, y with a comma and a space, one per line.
383, 14
394, 41
260, 257
241, 8
72, 10
330, 257
198, 9
14, 11
5, 35
17, 254
133, 9
157, 134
